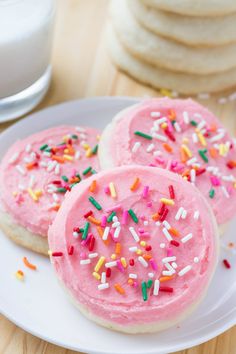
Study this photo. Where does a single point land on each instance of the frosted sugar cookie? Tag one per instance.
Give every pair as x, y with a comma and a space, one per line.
135, 247
36, 173
179, 135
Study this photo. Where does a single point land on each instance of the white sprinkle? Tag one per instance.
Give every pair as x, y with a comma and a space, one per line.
162, 245
21, 187
159, 137
103, 278
51, 166
93, 255
75, 234
14, 158
80, 129
156, 287
186, 238
43, 164
150, 148
143, 261
196, 259
77, 155
133, 249
166, 224
106, 233
203, 96
32, 181
145, 223
192, 176
184, 214
117, 232
103, 286
201, 124
191, 161
134, 234
217, 137
186, 117
179, 213
167, 273
136, 146
197, 115
85, 261
196, 215
224, 190
168, 259
167, 234
21, 170
115, 224
177, 127
174, 265
160, 121
55, 197
158, 223
28, 148
195, 138
151, 275
115, 218
229, 178
170, 268
133, 276
184, 270
111, 264
57, 169
155, 114
157, 153
47, 154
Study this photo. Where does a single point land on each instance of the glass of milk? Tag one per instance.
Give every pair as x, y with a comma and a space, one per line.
25, 46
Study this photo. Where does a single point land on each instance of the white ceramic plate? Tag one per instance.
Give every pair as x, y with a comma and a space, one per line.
39, 305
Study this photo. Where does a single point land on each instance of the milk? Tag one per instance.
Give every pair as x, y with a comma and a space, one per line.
25, 43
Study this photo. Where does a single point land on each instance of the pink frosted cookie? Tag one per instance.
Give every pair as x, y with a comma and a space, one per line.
181, 136
135, 247
35, 174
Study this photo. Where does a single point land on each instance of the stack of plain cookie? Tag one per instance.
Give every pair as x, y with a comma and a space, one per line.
182, 45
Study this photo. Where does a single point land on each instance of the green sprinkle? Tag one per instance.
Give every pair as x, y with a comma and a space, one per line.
43, 147
61, 190
87, 170
193, 122
133, 215
81, 230
66, 179
212, 193
78, 175
95, 203
93, 172
95, 149
110, 217
74, 136
48, 149
143, 135
144, 291
202, 154
85, 232
173, 122
149, 283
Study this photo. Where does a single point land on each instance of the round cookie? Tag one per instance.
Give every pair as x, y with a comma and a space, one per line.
194, 8
35, 174
159, 77
195, 31
162, 52
139, 254
179, 135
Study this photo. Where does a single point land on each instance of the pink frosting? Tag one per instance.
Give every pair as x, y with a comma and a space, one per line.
198, 252
16, 178
220, 174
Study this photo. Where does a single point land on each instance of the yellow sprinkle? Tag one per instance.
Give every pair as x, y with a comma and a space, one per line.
165, 92
14, 193
89, 152
19, 275
49, 253
139, 252
164, 125
113, 256
185, 178
142, 243
96, 275
112, 190
99, 263
38, 192
167, 201
65, 138
123, 262
187, 151
202, 139
68, 157
235, 185
223, 149
86, 146
185, 140
32, 194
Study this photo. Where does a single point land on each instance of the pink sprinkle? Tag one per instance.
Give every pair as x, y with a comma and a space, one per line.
143, 217
61, 147
152, 165
107, 190
169, 164
141, 231
83, 255
153, 264
145, 191
120, 266
124, 217
135, 284
87, 240
149, 204
159, 160
169, 252
115, 207
103, 221
170, 126
145, 234
19, 198
215, 181
64, 184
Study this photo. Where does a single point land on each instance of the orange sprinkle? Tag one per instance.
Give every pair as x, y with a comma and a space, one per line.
186, 173
172, 114
28, 264
93, 186
118, 248
119, 288
20, 275
213, 127
56, 207
163, 279
59, 159
147, 257
213, 152
167, 147
183, 155
155, 217
173, 232
30, 165
74, 180
130, 281
94, 221
69, 150
100, 232
135, 184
